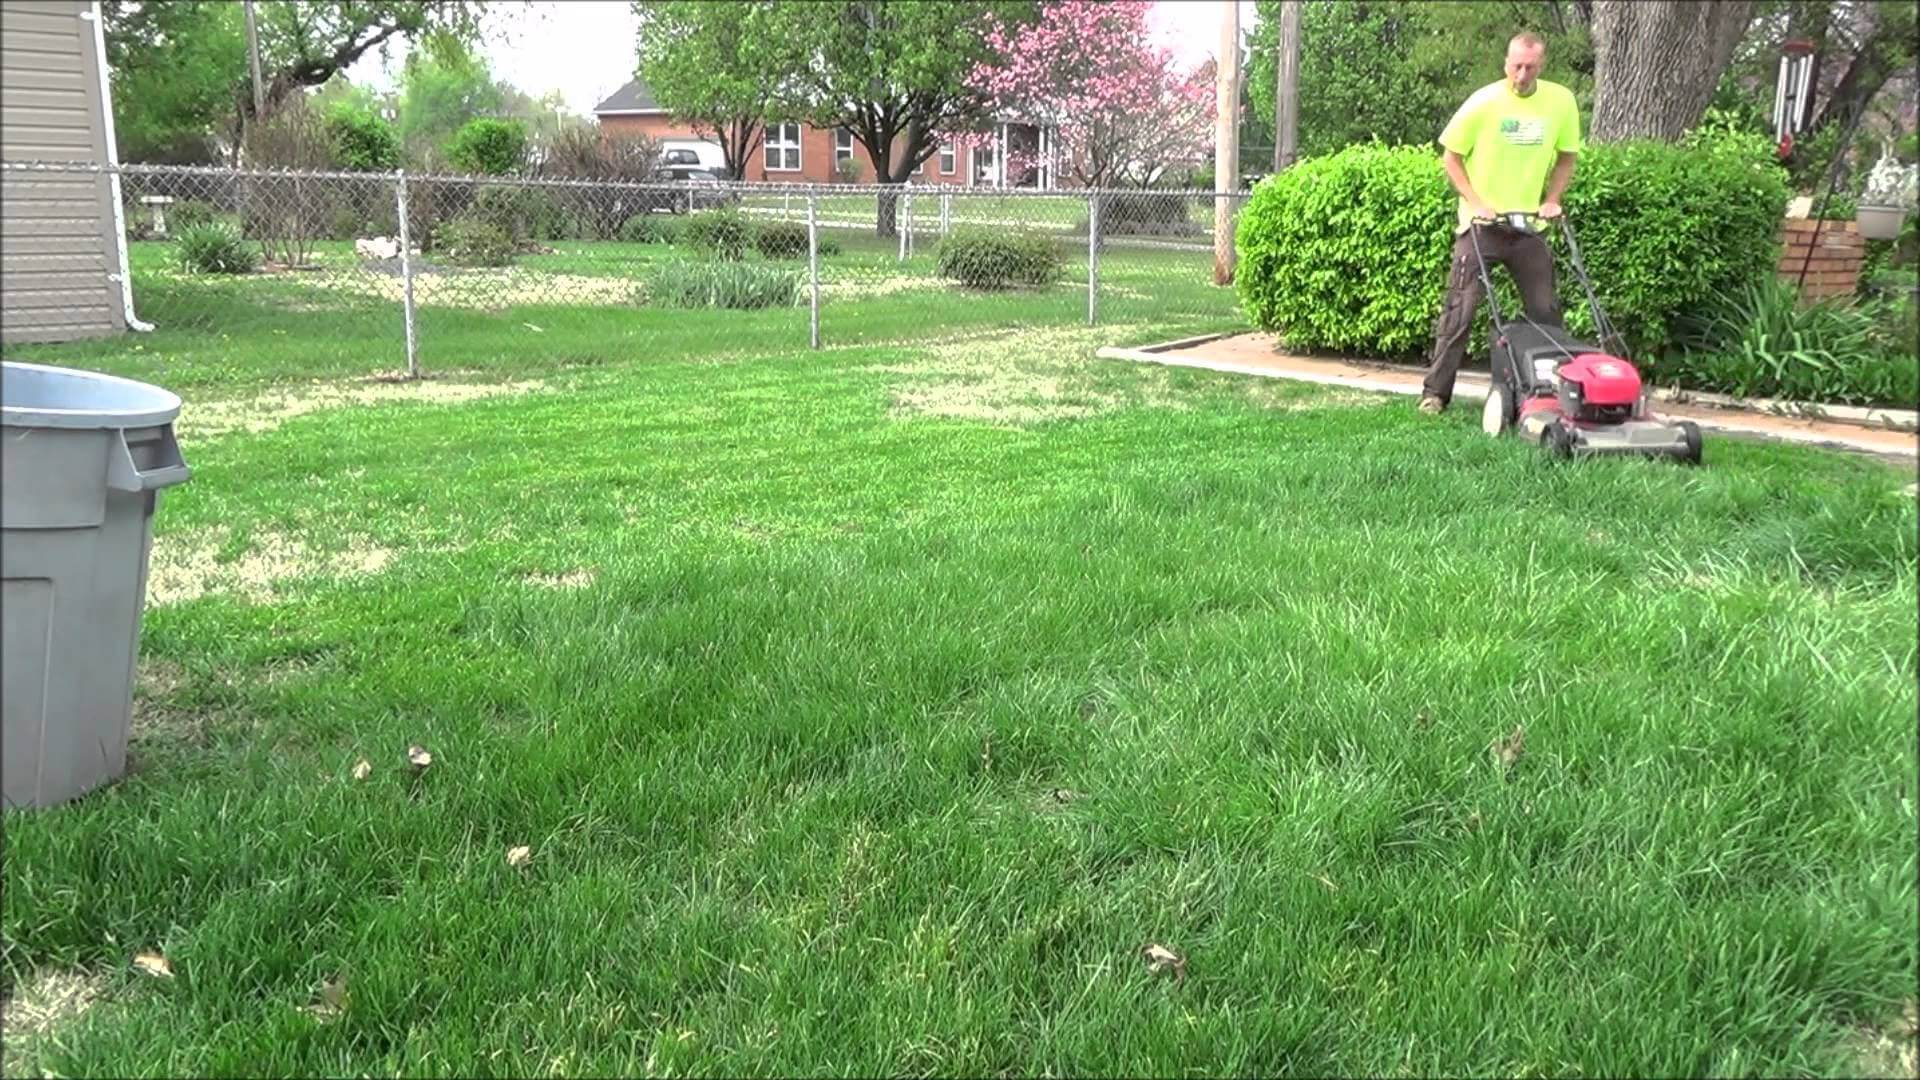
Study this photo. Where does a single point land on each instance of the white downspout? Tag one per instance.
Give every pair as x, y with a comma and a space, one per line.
92, 14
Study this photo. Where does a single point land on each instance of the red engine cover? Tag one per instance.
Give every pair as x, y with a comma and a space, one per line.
1603, 379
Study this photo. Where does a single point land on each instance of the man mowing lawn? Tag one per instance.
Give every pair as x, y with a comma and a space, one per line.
1509, 149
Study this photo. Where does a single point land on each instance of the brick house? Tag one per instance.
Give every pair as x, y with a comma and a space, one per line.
803, 154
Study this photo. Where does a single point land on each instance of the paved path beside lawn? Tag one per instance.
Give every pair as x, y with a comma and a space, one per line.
1880, 433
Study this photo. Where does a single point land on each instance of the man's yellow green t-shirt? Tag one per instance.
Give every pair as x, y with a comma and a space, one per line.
1510, 143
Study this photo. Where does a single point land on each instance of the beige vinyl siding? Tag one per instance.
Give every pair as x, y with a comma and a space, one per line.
58, 249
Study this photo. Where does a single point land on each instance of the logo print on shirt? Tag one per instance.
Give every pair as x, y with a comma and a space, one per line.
1523, 132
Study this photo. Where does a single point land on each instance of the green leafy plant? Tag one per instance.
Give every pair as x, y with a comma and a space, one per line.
828, 245
1764, 341
651, 229
526, 214
1350, 251
781, 240
489, 147
363, 140
983, 259
189, 214
723, 233
217, 248
472, 240
722, 284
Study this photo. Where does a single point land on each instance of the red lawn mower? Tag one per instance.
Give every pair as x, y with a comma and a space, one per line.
1569, 396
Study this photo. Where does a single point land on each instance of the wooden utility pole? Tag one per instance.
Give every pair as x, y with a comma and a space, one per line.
1286, 97
1226, 140
253, 60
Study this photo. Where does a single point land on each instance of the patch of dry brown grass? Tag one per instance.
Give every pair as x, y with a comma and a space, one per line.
186, 565
268, 410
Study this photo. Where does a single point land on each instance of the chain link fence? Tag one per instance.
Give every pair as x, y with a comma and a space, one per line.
427, 269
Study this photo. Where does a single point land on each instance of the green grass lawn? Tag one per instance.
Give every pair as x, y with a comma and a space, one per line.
869, 711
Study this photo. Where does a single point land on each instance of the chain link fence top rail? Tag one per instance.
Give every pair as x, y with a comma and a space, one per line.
433, 267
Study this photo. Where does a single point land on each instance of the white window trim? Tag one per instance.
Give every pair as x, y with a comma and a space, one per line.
797, 145
841, 153
949, 159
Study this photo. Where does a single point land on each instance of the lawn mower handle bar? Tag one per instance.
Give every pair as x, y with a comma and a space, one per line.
1519, 220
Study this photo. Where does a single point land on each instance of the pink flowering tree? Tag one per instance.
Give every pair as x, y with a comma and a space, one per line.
1123, 113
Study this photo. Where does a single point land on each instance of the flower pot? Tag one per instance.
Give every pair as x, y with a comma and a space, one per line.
1880, 222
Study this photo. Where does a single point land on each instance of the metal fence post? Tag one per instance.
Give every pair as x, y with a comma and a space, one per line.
813, 271
1093, 259
901, 224
406, 273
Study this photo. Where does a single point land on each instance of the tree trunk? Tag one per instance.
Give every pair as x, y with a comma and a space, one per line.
1658, 62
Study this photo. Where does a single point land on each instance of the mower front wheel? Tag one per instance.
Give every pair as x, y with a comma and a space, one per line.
1696, 449
1557, 441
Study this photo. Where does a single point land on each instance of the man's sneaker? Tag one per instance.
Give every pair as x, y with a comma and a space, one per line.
1431, 404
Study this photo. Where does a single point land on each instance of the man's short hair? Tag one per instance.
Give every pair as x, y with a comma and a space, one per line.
1529, 39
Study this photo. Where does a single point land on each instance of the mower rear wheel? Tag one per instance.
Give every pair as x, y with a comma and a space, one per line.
1497, 416
1690, 431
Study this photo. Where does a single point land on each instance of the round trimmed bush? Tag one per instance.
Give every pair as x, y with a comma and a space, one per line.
472, 240
650, 229
217, 248
723, 233
1349, 252
781, 240
982, 259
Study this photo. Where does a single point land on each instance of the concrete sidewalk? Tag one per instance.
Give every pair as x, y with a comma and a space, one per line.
1882, 432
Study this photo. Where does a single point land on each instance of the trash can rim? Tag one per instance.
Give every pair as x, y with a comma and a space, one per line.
147, 405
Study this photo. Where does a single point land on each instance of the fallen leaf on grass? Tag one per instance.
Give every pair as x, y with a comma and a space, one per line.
330, 1002
362, 769
154, 964
418, 757
1507, 751
1424, 720
1160, 958
519, 856
533, 328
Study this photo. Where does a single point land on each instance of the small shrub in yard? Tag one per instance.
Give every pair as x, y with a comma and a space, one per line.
474, 241
983, 259
189, 214
217, 249
781, 240
722, 233
828, 245
650, 229
722, 284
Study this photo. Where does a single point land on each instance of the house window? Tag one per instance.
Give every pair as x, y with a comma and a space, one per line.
842, 145
949, 161
783, 148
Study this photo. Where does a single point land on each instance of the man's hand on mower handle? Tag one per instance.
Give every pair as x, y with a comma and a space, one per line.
1480, 213
1549, 211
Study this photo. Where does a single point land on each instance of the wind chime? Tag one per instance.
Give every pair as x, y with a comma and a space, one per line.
1792, 94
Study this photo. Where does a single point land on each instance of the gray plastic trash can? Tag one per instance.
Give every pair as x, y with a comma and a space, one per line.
81, 458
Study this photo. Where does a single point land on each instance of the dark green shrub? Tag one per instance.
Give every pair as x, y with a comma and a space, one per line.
189, 214
651, 229
469, 240
983, 259
1147, 213
526, 214
1349, 252
828, 245
722, 284
781, 240
722, 233
363, 140
217, 249
489, 147
1762, 341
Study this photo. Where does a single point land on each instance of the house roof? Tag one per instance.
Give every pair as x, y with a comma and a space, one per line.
634, 97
